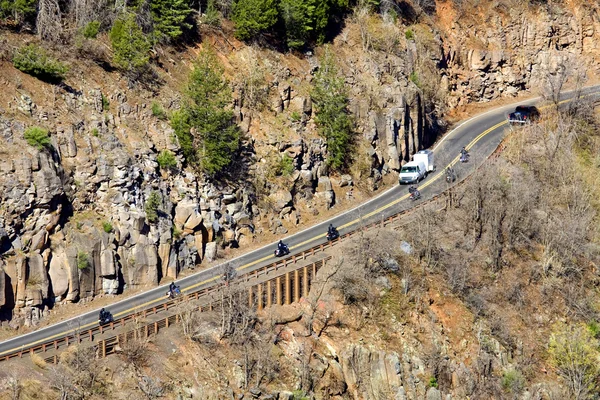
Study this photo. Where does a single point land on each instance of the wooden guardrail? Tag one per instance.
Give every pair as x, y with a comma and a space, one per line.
105, 344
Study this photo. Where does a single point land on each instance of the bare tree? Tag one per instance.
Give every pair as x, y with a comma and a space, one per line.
13, 385
49, 21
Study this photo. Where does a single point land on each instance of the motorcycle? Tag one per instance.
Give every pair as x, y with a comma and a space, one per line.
464, 157
414, 193
172, 294
450, 175
283, 251
107, 318
332, 235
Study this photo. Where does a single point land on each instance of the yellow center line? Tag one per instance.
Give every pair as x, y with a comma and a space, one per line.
349, 224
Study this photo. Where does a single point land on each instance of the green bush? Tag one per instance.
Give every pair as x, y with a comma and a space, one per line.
414, 78
90, 31
176, 233
105, 102
33, 60
18, 9
158, 111
409, 34
107, 226
295, 116
512, 381
433, 382
82, 260
285, 166
152, 207
333, 120
129, 43
37, 137
95, 132
166, 160
594, 329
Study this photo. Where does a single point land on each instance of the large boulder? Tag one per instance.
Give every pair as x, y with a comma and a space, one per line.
59, 274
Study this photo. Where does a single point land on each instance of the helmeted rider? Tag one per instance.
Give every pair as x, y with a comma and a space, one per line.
172, 287
103, 314
414, 192
281, 245
331, 229
463, 151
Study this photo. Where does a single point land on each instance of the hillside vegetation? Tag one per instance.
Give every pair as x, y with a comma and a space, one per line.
143, 140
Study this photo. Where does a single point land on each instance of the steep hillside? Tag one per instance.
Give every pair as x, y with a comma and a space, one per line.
96, 211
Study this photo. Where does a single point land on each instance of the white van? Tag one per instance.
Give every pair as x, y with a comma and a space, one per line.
412, 172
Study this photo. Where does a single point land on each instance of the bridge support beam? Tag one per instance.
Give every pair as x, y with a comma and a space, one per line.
278, 291
269, 293
260, 297
296, 286
288, 288
305, 282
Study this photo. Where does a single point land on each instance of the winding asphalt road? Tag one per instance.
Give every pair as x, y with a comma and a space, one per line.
480, 134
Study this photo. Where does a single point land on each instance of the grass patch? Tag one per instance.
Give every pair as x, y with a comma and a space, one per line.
158, 111
107, 226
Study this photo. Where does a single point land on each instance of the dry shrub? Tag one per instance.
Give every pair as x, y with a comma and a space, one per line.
251, 77
135, 352
38, 361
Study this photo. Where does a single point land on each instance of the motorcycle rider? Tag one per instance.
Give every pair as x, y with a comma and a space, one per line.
450, 173
414, 192
104, 315
464, 154
172, 287
281, 246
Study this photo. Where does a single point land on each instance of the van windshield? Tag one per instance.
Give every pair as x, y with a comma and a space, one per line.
409, 169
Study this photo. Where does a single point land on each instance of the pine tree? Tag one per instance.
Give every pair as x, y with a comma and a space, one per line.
19, 10
169, 18
332, 117
297, 18
130, 45
205, 128
252, 17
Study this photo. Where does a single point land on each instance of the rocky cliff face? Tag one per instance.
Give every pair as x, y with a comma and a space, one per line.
73, 218
497, 52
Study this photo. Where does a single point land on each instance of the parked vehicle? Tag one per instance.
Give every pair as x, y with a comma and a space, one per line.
523, 115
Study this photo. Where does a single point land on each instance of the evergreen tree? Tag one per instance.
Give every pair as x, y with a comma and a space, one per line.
252, 17
205, 128
297, 18
19, 10
332, 117
169, 18
130, 45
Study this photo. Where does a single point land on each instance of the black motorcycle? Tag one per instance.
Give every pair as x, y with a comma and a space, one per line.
414, 193
282, 251
332, 234
105, 318
450, 175
176, 292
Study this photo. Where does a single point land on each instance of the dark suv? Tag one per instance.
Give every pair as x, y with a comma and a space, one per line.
524, 115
